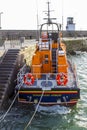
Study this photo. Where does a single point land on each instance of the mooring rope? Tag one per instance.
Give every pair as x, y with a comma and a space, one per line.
34, 112
3, 116
19, 86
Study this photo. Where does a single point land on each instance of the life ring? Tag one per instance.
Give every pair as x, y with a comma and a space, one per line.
61, 79
28, 76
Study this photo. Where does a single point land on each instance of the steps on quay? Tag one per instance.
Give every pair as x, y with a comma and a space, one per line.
8, 71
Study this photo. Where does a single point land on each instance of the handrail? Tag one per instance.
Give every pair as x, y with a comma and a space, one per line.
46, 76
2, 57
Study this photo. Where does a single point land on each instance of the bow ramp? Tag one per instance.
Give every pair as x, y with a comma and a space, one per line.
8, 71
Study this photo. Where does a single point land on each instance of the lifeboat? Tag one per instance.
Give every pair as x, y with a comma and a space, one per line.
52, 76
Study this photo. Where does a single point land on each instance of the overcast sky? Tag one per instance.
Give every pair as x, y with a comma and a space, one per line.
22, 14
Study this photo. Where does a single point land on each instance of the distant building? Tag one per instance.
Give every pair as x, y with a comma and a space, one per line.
70, 25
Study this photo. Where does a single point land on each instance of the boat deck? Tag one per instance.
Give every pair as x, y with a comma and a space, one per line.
48, 81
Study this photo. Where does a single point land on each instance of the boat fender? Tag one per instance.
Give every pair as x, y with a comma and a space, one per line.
61, 79
30, 77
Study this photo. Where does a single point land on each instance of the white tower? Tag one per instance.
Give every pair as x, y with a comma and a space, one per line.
70, 25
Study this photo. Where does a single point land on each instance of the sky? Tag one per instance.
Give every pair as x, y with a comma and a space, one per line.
22, 14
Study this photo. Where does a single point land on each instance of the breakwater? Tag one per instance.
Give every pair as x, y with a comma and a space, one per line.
33, 34
78, 43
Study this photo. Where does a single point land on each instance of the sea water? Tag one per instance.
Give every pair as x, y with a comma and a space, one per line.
54, 117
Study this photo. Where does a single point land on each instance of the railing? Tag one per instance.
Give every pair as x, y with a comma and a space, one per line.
46, 80
20, 74
2, 57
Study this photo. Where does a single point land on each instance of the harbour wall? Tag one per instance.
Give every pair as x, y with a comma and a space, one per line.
74, 40
33, 34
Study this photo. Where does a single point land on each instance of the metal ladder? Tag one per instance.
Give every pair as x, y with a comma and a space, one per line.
54, 60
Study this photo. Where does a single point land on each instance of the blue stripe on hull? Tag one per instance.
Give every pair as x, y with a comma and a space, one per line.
46, 98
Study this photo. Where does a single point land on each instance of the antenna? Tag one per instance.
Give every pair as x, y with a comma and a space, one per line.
37, 14
49, 20
62, 15
37, 20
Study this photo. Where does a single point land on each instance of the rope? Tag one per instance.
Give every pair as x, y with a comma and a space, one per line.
3, 116
34, 112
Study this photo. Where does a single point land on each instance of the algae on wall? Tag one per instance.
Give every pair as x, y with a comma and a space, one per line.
1, 41
75, 45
